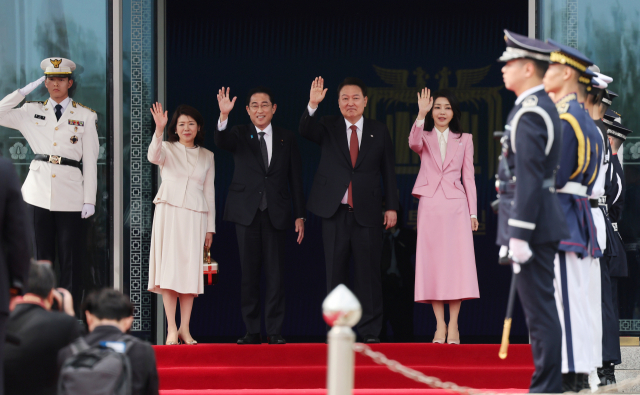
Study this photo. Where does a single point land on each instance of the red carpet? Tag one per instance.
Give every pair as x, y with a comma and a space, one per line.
301, 368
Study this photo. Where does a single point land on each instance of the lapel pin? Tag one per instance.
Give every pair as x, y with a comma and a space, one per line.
371, 135
251, 136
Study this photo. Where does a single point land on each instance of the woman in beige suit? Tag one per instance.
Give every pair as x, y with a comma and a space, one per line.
184, 219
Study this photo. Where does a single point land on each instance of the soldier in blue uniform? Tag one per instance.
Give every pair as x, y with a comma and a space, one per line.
616, 261
567, 81
531, 221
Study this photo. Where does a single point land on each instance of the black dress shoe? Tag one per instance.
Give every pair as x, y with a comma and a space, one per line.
276, 339
370, 339
569, 382
250, 338
583, 382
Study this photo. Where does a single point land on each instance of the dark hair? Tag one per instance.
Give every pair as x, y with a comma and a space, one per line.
454, 125
108, 304
540, 66
353, 81
617, 142
42, 279
260, 89
189, 111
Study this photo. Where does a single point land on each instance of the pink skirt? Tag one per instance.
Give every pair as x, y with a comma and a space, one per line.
445, 258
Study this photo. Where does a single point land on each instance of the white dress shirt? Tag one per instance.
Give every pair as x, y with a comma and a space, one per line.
268, 135
359, 124
64, 104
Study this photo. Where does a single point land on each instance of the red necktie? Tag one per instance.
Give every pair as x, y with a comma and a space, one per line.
354, 148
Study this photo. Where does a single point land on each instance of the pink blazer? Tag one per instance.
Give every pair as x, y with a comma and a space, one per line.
458, 161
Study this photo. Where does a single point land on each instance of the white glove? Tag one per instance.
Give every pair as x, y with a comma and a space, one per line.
88, 210
30, 87
504, 250
520, 250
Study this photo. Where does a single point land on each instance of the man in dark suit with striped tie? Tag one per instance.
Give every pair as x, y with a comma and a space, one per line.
267, 180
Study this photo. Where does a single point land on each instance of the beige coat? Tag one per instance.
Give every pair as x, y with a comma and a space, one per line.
50, 186
195, 191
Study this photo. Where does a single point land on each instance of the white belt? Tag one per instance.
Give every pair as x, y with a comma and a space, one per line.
574, 188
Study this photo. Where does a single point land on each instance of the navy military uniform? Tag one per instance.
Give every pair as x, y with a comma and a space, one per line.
529, 210
580, 160
616, 259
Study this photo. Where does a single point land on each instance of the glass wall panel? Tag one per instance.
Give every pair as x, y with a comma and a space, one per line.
607, 32
31, 30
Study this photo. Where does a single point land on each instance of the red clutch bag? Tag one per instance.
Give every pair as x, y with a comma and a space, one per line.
210, 268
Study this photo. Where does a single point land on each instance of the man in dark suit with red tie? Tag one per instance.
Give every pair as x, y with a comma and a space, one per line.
267, 182
356, 154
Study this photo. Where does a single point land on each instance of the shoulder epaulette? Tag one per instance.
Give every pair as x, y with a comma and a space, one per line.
73, 103
563, 105
530, 101
575, 125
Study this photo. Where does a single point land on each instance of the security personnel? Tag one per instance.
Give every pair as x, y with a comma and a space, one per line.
616, 262
531, 221
567, 81
60, 188
600, 298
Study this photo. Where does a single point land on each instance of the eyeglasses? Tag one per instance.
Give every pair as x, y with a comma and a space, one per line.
263, 106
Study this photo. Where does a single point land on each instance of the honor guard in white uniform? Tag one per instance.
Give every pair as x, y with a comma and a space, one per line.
60, 189
531, 220
567, 81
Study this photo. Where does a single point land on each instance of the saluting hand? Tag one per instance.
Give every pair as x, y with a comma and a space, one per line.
317, 92
159, 117
225, 104
425, 102
31, 86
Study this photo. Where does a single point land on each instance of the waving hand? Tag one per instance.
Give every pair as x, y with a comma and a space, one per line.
318, 91
159, 117
225, 104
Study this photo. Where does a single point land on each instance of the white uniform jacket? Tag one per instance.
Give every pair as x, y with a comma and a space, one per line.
193, 190
74, 136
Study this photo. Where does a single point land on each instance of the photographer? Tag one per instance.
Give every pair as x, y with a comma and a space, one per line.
41, 324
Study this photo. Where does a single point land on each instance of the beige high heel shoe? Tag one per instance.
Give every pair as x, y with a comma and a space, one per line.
171, 343
193, 342
440, 340
453, 340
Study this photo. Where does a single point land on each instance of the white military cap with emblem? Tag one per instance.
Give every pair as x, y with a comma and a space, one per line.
57, 66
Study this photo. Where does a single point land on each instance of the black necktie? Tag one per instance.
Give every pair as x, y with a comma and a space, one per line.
265, 160
58, 111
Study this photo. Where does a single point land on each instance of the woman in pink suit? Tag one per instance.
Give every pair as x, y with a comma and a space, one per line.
447, 212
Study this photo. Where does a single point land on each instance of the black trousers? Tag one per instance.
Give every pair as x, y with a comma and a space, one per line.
610, 323
262, 244
615, 343
343, 237
65, 230
397, 308
535, 290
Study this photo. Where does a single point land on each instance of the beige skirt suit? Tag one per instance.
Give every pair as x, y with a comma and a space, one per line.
185, 212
